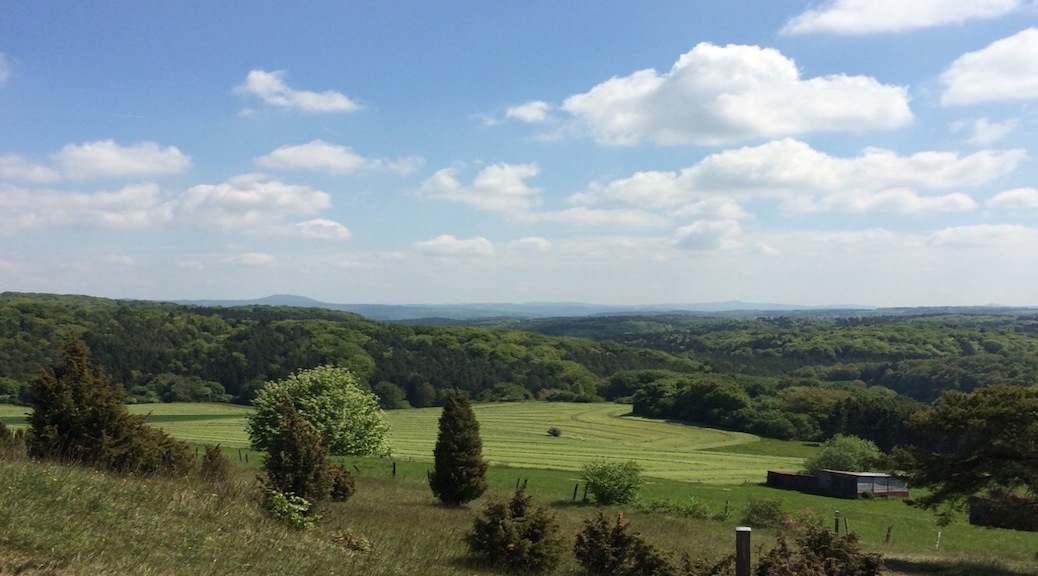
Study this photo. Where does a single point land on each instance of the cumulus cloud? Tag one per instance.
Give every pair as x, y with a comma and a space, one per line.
105, 158
136, 206
1005, 70
15, 167
271, 88
868, 16
1016, 199
498, 188
534, 111
719, 94
448, 245
706, 234
322, 229
807, 179
246, 201
331, 158
530, 244
985, 132
582, 216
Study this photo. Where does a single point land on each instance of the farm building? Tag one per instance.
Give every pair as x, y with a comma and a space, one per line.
840, 484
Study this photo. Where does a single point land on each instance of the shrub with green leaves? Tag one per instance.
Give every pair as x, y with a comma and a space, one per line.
819, 552
290, 509
765, 513
688, 508
343, 484
296, 461
843, 452
517, 537
216, 467
347, 417
612, 482
78, 416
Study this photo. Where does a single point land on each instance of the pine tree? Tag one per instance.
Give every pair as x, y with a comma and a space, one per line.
460, 472
297, 461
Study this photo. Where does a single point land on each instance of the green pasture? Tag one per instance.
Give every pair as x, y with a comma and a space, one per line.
516, 435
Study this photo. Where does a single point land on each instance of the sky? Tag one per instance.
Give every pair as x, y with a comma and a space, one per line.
824, 152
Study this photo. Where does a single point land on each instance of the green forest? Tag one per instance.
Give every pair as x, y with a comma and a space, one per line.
778, 376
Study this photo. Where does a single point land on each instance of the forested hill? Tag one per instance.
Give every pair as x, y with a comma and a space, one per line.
171, 352
919, 355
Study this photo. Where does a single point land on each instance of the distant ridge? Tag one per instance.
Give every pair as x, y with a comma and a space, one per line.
477, 311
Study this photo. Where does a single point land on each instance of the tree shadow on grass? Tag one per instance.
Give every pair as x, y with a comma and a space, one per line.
950, 568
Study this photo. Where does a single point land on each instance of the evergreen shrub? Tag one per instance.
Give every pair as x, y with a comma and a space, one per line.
518, 536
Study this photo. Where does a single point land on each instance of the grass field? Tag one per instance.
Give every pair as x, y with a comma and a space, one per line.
516, 434
396, 512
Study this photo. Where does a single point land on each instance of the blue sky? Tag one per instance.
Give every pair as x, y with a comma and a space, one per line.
875, 152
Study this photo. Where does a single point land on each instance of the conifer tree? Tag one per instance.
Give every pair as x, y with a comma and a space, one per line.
459, 475
297, 461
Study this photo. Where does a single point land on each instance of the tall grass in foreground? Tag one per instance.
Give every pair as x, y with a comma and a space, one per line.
72, 521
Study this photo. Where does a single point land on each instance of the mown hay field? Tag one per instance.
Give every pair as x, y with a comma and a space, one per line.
516, 434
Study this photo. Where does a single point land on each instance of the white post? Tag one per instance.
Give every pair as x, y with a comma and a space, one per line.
742, 551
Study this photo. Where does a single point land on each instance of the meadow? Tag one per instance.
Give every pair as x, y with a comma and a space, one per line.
410, 534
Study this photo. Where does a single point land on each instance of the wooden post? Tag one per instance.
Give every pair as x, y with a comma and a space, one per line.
742, 551
239, 454
937, 546
575, 486
726, 509
846, 528
585, 492
837, 522
516, 484
246, 457
394, 469
889, 530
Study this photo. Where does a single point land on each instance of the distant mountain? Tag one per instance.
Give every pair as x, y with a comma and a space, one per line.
469, 312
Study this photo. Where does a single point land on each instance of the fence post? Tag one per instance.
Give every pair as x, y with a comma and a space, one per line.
575, 486
837, 522
742, 551
889, 530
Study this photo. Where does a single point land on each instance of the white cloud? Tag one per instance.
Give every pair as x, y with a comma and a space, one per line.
893, 200
253, 259
718, 94
1016, 199
5, 68
448, 245
251, 200
120, 260
985, 132
867, 16
1005, 70
331, 158
498, 187
530, 244
105, 158
582, 216
322, 229
15, 167
706, 234
136, 206
271, 88
807, 179
535, 111
985, 235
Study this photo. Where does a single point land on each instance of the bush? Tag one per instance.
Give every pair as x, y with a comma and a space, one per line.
290, 508
352, 542
843, 452
554, 431
343, 485
606, 548
612, 482
819, 552
297, 460
517, 536
78, 416
216, 468
765, 513
691, 508
347, 417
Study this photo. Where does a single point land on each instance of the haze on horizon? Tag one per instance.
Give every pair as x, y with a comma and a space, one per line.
805, 152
